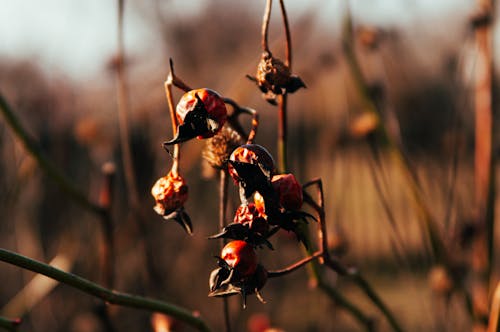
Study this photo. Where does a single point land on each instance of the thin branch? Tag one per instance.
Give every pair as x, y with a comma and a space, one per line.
223, 183
337, 266
108, 243
265, 26
173, 116
428, 222
288, 45
105, 294
122, 99
233, 119
282, 133
45, 164
295, 266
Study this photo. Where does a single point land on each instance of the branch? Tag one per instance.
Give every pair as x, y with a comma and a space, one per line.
32, 147
105, 294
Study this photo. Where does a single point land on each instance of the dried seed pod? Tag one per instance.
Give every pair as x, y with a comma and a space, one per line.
170, 193
219, 147
274, 78
253, 154
201, 113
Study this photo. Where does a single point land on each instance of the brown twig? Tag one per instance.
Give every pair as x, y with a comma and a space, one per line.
171, 78
288, 37
265, 26
223, 182
294, 266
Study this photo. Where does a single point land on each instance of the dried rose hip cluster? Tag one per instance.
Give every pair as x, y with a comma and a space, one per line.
277, 201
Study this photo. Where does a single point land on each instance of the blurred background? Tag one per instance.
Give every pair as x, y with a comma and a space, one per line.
58, 62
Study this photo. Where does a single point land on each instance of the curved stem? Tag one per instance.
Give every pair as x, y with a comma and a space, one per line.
45, 164
265, 26
105, 294
235, 124
295, 266
288, 45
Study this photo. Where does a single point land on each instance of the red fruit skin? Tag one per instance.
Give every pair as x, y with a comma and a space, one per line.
213, 102
252, 154
241, 256
289, 191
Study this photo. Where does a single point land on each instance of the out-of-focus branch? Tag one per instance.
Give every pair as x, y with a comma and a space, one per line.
428, 222
45, 164
122, 99
105, 294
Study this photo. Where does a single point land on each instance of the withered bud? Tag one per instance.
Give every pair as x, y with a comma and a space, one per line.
170, 193
219, 147
274, 78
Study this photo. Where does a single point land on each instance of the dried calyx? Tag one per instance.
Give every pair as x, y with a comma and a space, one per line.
274, 78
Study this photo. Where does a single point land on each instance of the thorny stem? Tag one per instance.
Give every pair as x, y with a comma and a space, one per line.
105, 294
9, 324
222, 223
122, 98
265, 26
45, 164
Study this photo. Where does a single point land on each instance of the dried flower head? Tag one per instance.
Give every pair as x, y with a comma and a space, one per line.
274, 78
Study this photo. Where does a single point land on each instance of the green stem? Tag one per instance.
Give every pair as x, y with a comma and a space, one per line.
105, 294
45, 164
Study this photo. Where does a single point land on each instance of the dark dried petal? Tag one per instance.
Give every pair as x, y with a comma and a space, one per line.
182, 218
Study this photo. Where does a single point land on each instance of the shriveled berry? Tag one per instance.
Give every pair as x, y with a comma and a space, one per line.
240, 256
248, 214
170, 193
